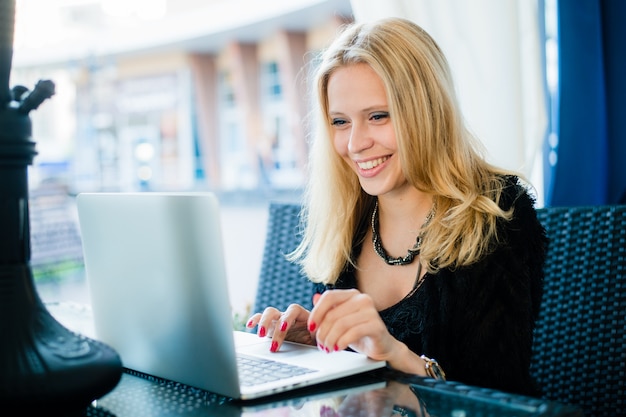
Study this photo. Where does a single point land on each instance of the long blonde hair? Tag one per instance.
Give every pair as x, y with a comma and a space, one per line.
437, 152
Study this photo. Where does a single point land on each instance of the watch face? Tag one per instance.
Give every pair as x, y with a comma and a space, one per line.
437, 372
433, 369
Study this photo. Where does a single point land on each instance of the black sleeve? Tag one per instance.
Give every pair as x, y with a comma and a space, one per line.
483, 316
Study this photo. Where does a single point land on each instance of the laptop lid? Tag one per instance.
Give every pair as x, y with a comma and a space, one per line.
159, 292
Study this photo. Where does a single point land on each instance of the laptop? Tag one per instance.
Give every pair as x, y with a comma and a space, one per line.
157, 281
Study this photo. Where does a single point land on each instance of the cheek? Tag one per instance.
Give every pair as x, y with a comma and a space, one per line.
389, 137
340, 143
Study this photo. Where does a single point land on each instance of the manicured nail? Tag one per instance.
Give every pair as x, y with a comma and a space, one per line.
249, 323
274, 346
312, 327
320, 346
336, 348
283, 326
262, 331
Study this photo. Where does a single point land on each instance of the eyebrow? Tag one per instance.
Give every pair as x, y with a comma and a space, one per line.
366, 110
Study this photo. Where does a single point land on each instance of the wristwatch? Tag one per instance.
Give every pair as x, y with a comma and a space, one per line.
433, 369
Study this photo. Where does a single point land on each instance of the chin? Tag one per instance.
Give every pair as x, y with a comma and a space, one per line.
373, 191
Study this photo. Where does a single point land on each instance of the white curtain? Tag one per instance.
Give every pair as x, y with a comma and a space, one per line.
493, 47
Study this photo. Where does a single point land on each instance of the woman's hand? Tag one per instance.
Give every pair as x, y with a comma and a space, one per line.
339, 319
348, 318
289, 325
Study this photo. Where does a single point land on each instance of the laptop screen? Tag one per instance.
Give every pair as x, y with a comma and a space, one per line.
157, 281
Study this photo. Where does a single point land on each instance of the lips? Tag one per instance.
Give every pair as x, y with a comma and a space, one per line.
372, 163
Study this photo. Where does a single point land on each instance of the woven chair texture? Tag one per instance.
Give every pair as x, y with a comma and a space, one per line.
579, 351
281, 283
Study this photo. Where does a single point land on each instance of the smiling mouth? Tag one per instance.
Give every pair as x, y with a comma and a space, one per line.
373, 163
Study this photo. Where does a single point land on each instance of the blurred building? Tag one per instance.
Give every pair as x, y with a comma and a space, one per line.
172, 94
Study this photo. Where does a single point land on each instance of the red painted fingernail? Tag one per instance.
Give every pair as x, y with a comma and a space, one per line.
320, 346
283, 326
262, 331
249, 323
312, 327
336, 348
274, 346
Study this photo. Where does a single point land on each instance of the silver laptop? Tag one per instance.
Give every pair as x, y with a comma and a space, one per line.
159, 294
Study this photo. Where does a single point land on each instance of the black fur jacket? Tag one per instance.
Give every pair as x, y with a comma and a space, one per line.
478, 321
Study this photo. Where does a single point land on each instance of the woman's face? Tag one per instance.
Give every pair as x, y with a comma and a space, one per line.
362, 130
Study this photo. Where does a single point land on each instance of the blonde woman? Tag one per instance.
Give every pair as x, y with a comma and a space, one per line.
429, 257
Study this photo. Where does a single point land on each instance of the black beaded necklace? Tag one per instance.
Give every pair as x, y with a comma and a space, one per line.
378, 243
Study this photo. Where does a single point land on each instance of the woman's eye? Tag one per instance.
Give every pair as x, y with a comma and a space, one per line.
338, 122
379, 116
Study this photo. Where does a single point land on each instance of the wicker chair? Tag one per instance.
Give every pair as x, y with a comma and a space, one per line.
281, 282
579, 351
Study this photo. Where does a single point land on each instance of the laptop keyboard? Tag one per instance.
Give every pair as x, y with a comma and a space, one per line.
254, 371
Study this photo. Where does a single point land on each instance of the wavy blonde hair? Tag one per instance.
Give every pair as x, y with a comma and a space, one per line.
437, 153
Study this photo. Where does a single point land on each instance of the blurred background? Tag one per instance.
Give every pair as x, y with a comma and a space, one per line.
213, 95
157, 95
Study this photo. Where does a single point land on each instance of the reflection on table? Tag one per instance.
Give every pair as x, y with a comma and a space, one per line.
380, 393
375, 394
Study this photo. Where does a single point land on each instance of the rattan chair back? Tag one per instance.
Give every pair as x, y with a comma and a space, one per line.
579, 350
281, 282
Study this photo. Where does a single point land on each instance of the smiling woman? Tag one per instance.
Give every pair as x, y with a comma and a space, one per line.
427, 255
363, 133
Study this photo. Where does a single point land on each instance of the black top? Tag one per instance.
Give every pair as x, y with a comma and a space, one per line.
477, 321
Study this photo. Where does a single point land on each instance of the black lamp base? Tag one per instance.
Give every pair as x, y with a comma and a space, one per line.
45, 366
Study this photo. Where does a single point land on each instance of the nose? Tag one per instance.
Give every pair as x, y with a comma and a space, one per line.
360, 138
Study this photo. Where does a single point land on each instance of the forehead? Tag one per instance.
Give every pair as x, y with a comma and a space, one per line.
355, 84
352, 73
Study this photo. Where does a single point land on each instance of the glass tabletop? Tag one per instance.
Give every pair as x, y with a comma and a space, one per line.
379, 393
383, 392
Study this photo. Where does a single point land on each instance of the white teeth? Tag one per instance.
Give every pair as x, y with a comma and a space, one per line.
373, 163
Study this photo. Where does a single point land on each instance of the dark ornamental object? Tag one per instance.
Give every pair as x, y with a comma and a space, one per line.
43, 365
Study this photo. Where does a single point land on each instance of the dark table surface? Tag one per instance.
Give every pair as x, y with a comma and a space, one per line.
379, 393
